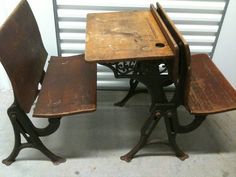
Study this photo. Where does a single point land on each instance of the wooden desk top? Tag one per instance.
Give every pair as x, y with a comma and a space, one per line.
130, 35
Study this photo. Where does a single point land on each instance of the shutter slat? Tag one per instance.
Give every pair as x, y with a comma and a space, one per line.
64, 30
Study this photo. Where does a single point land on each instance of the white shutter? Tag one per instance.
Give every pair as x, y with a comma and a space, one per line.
198, 20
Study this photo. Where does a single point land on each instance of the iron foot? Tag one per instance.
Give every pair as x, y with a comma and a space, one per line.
59, 161
120, 103
130, 155
22, 125
183, 156
7, 162
126, 158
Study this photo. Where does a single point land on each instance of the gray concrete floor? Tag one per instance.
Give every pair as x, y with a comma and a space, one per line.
92, 144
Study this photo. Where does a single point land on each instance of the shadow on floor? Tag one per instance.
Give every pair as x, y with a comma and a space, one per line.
117, 129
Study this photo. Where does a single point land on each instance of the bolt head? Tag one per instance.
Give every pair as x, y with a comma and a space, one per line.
158, 114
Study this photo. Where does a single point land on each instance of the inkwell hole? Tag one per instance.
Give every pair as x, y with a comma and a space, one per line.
160, 45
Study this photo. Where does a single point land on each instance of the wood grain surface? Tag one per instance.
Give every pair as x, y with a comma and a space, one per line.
210, 92
130, 35
69, 87
22, 54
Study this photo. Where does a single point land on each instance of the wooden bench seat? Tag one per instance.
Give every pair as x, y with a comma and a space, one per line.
209, 91
69, 87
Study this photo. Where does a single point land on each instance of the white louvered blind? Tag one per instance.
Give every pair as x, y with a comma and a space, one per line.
199, 21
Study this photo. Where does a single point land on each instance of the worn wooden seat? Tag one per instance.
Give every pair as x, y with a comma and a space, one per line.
67, 87
209, 91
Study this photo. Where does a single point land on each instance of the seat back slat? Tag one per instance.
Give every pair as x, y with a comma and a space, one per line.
184, 55
22, 54
170, 40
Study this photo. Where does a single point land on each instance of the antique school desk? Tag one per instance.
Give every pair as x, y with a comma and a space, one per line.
136, 45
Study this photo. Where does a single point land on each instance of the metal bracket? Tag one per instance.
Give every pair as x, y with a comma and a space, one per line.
23, 126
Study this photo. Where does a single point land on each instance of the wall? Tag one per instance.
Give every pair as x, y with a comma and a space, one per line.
225, 53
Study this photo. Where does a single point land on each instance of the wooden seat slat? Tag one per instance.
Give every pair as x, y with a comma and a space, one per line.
69, 87
209, 92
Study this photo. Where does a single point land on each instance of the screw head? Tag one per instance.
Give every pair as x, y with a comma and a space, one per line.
158, 114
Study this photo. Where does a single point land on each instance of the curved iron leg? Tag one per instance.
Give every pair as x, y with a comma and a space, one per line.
53, 125
132, 90
172, 139
11, 158
133, 85
192, 126
40, 146
22, 125
154, 86
146, 131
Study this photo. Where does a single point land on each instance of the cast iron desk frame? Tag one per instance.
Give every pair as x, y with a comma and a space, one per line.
140, 66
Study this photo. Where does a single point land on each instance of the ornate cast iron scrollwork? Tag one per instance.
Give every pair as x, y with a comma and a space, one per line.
140, 71
127, 69
163, 68
122, 69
